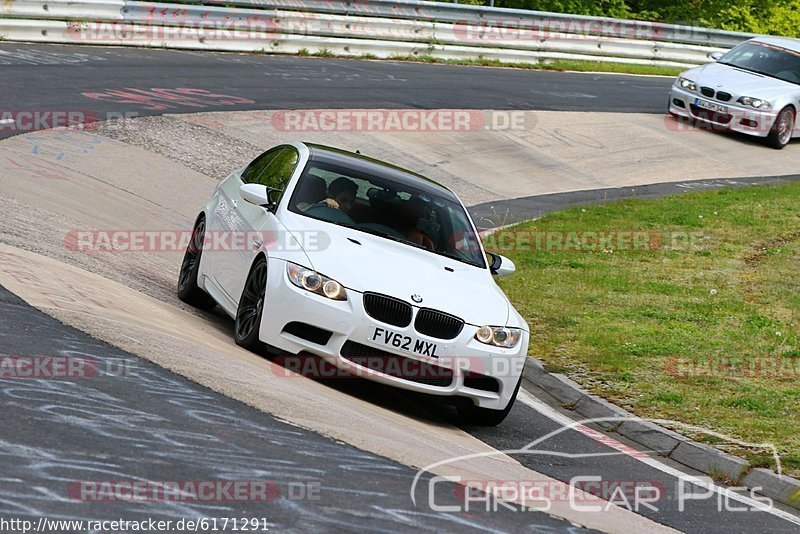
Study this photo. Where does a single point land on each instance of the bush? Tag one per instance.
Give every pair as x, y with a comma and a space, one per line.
777, 17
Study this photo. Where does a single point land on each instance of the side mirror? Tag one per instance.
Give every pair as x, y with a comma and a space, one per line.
258, 194
501, 266
715, 55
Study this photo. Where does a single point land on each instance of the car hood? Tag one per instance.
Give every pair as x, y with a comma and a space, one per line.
364, 262
739, 82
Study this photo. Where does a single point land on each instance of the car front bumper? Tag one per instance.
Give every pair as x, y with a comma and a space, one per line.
469, 360
738, 119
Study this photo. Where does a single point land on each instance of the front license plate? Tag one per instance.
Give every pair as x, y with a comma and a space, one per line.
711, 106
396, 340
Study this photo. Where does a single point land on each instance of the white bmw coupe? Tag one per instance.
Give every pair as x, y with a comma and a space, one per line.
375, 269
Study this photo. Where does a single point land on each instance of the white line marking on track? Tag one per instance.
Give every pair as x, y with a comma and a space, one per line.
558, 417
7, 121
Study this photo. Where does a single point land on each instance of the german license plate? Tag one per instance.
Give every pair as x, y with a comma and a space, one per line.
711, 106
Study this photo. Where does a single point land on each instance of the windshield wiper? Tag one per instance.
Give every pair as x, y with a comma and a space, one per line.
388, 236
391, 237
457, 257
754, 71
735, 66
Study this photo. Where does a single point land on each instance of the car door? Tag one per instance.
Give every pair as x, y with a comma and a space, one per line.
222, 222
255, 227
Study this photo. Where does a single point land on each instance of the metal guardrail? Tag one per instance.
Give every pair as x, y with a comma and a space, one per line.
481, 15
379, 28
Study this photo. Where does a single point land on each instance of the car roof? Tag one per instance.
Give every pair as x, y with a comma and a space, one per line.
783, 42
378, 168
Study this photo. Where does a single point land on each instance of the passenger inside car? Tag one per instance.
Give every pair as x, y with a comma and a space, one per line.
414, 210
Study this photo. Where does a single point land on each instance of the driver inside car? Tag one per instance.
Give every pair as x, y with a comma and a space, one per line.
341, 195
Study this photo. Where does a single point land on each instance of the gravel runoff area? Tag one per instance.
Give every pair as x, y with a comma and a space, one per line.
200, 148
200, 142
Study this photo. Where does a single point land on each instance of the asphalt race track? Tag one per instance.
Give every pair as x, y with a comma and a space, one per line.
277, 82
152, 423
149, 424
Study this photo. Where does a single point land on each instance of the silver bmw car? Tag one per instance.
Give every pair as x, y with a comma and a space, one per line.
754, 89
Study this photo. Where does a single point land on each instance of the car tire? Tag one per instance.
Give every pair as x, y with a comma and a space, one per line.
188, 290
781, 132
475, 416
251, 308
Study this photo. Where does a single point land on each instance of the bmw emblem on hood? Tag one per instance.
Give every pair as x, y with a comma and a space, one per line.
416, 298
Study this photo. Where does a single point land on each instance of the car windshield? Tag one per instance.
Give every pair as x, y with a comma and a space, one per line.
383, 207
766, 59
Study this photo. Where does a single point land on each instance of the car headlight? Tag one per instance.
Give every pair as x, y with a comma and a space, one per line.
311, 280
753, 102
686, 83
499, 336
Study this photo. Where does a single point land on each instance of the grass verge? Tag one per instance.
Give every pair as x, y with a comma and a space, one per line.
557, 65
683, 308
